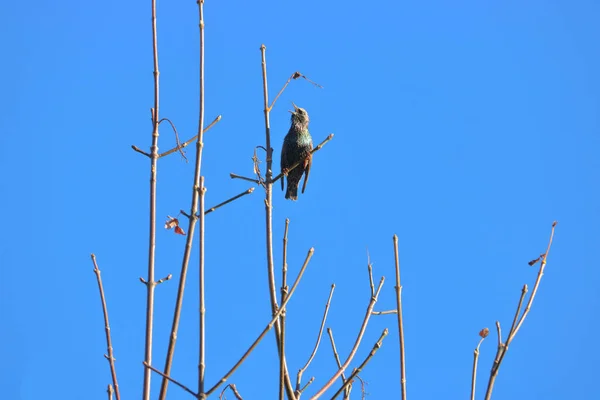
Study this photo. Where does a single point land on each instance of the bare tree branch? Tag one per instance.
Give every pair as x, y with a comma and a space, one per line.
362, 365
167, 377
188, 142
314, 352
268, 328
356, 343
398, 288
110, 357
503, 347
244, 193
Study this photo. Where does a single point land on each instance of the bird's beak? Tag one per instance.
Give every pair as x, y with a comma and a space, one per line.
295, 108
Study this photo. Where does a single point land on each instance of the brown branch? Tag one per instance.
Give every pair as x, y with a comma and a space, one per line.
268, 328
294, 76
188, 142
244, 193
387, 312
110, 357
284, 291
363, 328
370, 268
167, 377
234, 176
314, 352
362, 365
336, 356
503, 347
166, 278
269, 221
176, 137
310, 381
483, 335
233, 389
134, 147
398, 288
150, 283
109, 391
197, 187
323, 143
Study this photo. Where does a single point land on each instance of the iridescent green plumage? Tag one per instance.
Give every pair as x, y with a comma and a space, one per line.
297, 146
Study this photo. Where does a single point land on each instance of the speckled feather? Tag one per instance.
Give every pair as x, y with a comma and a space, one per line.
297, 146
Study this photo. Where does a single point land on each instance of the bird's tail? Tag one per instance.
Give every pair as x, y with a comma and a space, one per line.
292, 191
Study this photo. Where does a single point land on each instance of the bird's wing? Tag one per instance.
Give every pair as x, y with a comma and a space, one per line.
284, 161
307, 164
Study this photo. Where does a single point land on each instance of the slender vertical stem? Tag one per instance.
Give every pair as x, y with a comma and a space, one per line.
150, 284
474, 373
202, 344
269, 221
284, 290
192, 218
398, 288
109, 350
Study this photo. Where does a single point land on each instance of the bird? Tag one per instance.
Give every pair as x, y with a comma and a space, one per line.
297, 147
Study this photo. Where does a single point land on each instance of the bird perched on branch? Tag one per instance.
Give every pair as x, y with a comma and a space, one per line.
297, 146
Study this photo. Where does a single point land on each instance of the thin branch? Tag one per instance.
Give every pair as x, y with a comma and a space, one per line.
484, 332
268, 327
314, 352
110, 357
516, 318
134, 147
196, 188
503, 347
363, 328
362, 365
109, 391
150, 283
176, 137
398, 288
233, 389
188, 142
244, 193
167, 377
166, 278
370, 268
234, 176
335, 353
294, 76
310, 381
269, 221
387, 312
323, 143
284, 290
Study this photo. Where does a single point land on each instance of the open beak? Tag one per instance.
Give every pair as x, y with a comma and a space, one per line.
295, 108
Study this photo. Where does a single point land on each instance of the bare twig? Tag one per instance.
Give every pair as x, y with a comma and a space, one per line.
503, 347
336, 356
483, 333
109, 391
134, 147
245, 192
295, 75
188, 142
398, 288
387, 312
110, 357
323, 143
362, 365
363, 328
197, 192
310, 381
167, 377
314, 352
284, 291
233, 389
370, 268
234, 176
269, 221
176, 137
166, 278
268, 327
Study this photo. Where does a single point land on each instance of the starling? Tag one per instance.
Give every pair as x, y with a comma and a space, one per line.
297, 146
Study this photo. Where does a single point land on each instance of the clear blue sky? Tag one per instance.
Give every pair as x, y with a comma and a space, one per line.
464, 127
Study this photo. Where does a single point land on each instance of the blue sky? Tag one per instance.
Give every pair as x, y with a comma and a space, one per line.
464, 127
